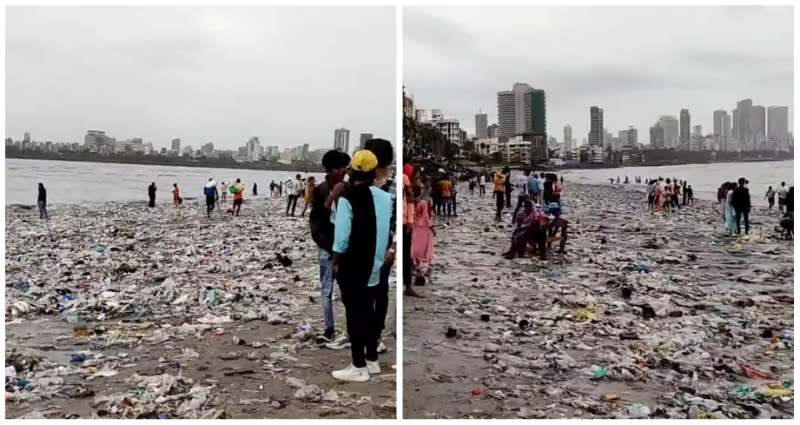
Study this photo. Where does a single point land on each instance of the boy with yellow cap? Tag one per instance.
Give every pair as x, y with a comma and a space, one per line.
361, 238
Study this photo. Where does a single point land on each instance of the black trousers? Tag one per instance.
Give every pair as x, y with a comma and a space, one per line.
291, 204
453, 203
209, 204
508, 199
520, 200
739, 215
406, 257
152, 202
483, 190
500, 202
382, 299
363, 324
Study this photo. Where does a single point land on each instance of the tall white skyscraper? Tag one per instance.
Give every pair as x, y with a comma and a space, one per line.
520, 107
505, 113
568, 137
671, 126
341, 139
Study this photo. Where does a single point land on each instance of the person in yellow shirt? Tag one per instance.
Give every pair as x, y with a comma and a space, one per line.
499, 192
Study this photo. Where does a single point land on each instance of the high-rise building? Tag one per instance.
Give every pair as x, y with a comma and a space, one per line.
207, 148
363, 140
719, 122
686, 125
777, 123
633, 137
505, 114
341, 139
735, 124
436, 114
254, 149
481, 127
421, 115
493, 131
726, 143
671, 128
758, 127
621, 140
596, 126
568, 137
657, 139
535, 108
521, 105
743, 131
176, 144
27, 137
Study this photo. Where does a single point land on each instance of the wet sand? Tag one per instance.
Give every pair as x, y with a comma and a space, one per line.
561, 341
162, 293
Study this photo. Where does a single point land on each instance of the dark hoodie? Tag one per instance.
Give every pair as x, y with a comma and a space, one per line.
355, 266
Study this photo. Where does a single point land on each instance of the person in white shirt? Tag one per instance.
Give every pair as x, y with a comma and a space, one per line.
482, 184
782, 192
294, 189
521, 186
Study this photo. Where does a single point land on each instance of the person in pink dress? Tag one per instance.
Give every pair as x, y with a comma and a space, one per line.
422, 238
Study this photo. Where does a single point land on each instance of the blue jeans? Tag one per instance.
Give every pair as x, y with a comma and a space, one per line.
326, 286
43, 211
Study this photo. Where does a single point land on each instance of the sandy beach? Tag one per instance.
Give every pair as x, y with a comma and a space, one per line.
120, 311
707, 330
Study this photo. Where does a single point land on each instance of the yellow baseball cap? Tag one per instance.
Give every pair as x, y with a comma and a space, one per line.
364, 161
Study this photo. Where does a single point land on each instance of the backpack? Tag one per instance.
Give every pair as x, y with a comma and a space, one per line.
208, 191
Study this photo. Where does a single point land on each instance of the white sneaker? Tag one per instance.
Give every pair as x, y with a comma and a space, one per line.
352, 373
381, 347
373, 367
340, 344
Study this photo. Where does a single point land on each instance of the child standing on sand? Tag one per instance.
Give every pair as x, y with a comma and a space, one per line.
422, 236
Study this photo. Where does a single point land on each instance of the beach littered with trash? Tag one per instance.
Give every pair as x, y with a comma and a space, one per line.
659, 316
121, 311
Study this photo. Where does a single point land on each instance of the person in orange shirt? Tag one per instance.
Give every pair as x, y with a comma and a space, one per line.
307, 196
445, 189
499, 192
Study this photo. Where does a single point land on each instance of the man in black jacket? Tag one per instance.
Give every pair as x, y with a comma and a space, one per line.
335, 164
741, 205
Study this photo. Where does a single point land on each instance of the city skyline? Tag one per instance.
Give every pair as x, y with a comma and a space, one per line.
663, 70
206, 90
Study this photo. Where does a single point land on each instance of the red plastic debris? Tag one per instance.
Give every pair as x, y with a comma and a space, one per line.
477, 391
754, 373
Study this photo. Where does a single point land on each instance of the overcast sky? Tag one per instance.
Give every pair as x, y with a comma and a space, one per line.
289, 75
635, 62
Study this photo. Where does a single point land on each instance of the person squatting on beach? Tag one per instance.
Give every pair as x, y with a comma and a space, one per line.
151, 194
212, 196
41, 201
322, 231
361, 237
